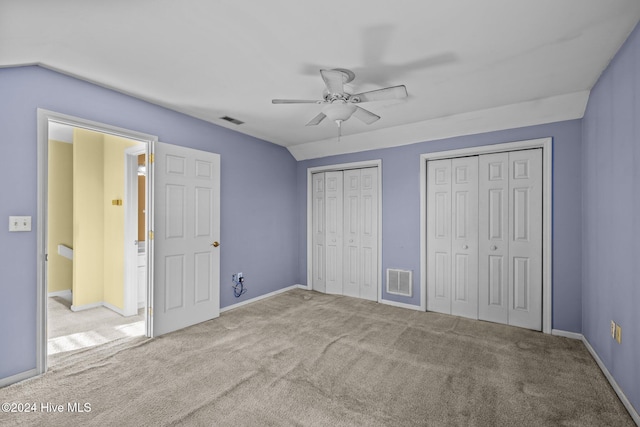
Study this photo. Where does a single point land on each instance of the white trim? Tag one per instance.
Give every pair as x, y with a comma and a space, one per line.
130, 251
66, 294
547, 244
18, 377
623, 398
400, 304
261, 297
43, 119
117, 309
377, 163
567, 334
86, 306
530, 113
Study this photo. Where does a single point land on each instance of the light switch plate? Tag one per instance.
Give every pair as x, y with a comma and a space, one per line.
19, 223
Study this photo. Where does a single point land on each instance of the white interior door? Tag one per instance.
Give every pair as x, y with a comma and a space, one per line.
345, 232
333, 237
525, 239
318, 235
360, 225
484, 237
369, 233
351, 218
439, 236
464, 237
187, 223
494, 238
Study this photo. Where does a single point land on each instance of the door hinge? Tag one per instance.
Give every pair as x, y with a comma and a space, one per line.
151, 158
150, 311
150, 234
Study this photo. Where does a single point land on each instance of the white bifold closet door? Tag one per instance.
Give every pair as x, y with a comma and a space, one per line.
345, 233
452, 265
484, 237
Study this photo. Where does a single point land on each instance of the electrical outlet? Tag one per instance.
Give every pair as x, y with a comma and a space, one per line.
240, 276
613, 329
19, 223
619, 334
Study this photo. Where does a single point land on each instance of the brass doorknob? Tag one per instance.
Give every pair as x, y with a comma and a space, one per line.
215, 244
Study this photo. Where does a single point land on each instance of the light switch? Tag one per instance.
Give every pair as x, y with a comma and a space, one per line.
19, 223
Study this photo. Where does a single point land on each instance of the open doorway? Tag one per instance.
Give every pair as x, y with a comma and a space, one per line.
94, 184
181, 251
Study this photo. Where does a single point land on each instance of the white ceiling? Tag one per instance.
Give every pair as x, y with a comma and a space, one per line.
469, 66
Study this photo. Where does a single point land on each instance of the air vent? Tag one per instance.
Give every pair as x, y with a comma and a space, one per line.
399, 282
232, 120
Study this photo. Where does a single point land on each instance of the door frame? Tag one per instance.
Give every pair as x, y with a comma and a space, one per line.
377, 163
43, 119
131, 297
547, 212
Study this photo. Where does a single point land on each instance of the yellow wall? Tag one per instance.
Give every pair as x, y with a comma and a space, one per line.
60, 215
88, 217
114, 219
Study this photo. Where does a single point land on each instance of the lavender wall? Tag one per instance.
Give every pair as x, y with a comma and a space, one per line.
611, 218
401, 209
257, 194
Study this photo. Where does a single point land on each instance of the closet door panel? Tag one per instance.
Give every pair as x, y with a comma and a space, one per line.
318, 234
333, 240
493, 218
369, 233
525, 239
352, 212
464, 237
439, 236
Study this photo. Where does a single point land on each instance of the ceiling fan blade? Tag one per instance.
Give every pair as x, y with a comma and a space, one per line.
365, 115
393, 92
334, 80
295, 101
317, 119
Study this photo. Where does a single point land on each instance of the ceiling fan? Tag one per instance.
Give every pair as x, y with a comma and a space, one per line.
340, 105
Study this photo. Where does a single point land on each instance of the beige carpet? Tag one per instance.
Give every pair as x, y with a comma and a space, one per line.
69, 330
304, 358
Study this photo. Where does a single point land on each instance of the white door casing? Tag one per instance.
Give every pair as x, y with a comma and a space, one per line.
142, 280
134, 290
186, 263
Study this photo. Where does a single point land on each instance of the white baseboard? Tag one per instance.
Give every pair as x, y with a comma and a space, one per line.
18, 377
400, 304
567, 334
86, 306
98, 304
66, 294
114, 308
623, 398
261, 297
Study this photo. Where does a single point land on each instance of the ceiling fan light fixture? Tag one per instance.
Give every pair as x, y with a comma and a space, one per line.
339, 111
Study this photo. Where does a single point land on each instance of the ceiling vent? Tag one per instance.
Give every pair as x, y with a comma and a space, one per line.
232, 120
